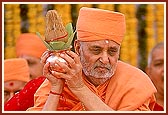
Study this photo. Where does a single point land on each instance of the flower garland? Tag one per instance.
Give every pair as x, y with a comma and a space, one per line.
159, 22
12, 28
65, 14
155, 24
144, 25
32, 14
106, 6
40, 20
150, 28
129, 48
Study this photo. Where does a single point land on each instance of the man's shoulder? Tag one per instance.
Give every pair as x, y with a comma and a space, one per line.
129, 69
129, 74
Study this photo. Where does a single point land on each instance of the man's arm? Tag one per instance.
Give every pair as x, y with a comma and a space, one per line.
90, 100
53, 98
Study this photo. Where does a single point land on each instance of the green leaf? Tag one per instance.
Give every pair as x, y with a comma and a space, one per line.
45, 43
69, 29
57, 45
71, 34
70, 39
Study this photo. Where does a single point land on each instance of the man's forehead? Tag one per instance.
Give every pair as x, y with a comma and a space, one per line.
102, 42
13, 84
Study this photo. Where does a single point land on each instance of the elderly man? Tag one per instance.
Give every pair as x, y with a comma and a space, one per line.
29, 47
93, 78
155, 70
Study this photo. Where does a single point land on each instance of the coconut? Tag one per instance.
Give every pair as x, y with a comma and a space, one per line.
55, 30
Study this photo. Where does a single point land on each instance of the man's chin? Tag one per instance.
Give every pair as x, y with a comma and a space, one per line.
103, 77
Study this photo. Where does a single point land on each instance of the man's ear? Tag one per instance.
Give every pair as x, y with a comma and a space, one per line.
76, 46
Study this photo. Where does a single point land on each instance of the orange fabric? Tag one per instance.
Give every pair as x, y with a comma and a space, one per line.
16, 69
128, 90
29, 44
97, 24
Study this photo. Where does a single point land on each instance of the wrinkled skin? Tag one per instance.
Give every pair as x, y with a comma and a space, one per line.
98, 60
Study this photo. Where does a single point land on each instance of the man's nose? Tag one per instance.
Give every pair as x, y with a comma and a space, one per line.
104, 58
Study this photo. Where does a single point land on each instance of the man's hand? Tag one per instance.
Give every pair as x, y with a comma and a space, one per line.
73, 70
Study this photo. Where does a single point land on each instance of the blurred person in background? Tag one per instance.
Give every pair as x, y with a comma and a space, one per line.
16, 75
155, 70
30, 47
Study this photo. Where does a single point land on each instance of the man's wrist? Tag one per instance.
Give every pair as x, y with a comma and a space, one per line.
57, 88
55, 93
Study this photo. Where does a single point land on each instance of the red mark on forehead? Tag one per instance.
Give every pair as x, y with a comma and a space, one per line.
11, 83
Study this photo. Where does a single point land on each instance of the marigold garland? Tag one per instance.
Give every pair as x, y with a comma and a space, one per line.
132, 45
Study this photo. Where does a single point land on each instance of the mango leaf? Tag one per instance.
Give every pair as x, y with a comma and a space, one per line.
45, 43
57, 45
68, 44
69, 29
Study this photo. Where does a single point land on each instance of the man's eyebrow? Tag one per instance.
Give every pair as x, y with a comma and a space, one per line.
94, 46
113, 47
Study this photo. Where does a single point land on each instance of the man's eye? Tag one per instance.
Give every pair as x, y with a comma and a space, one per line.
96, 51
112, 52
158, 64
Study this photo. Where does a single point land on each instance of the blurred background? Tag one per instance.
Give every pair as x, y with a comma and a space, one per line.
144, 25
